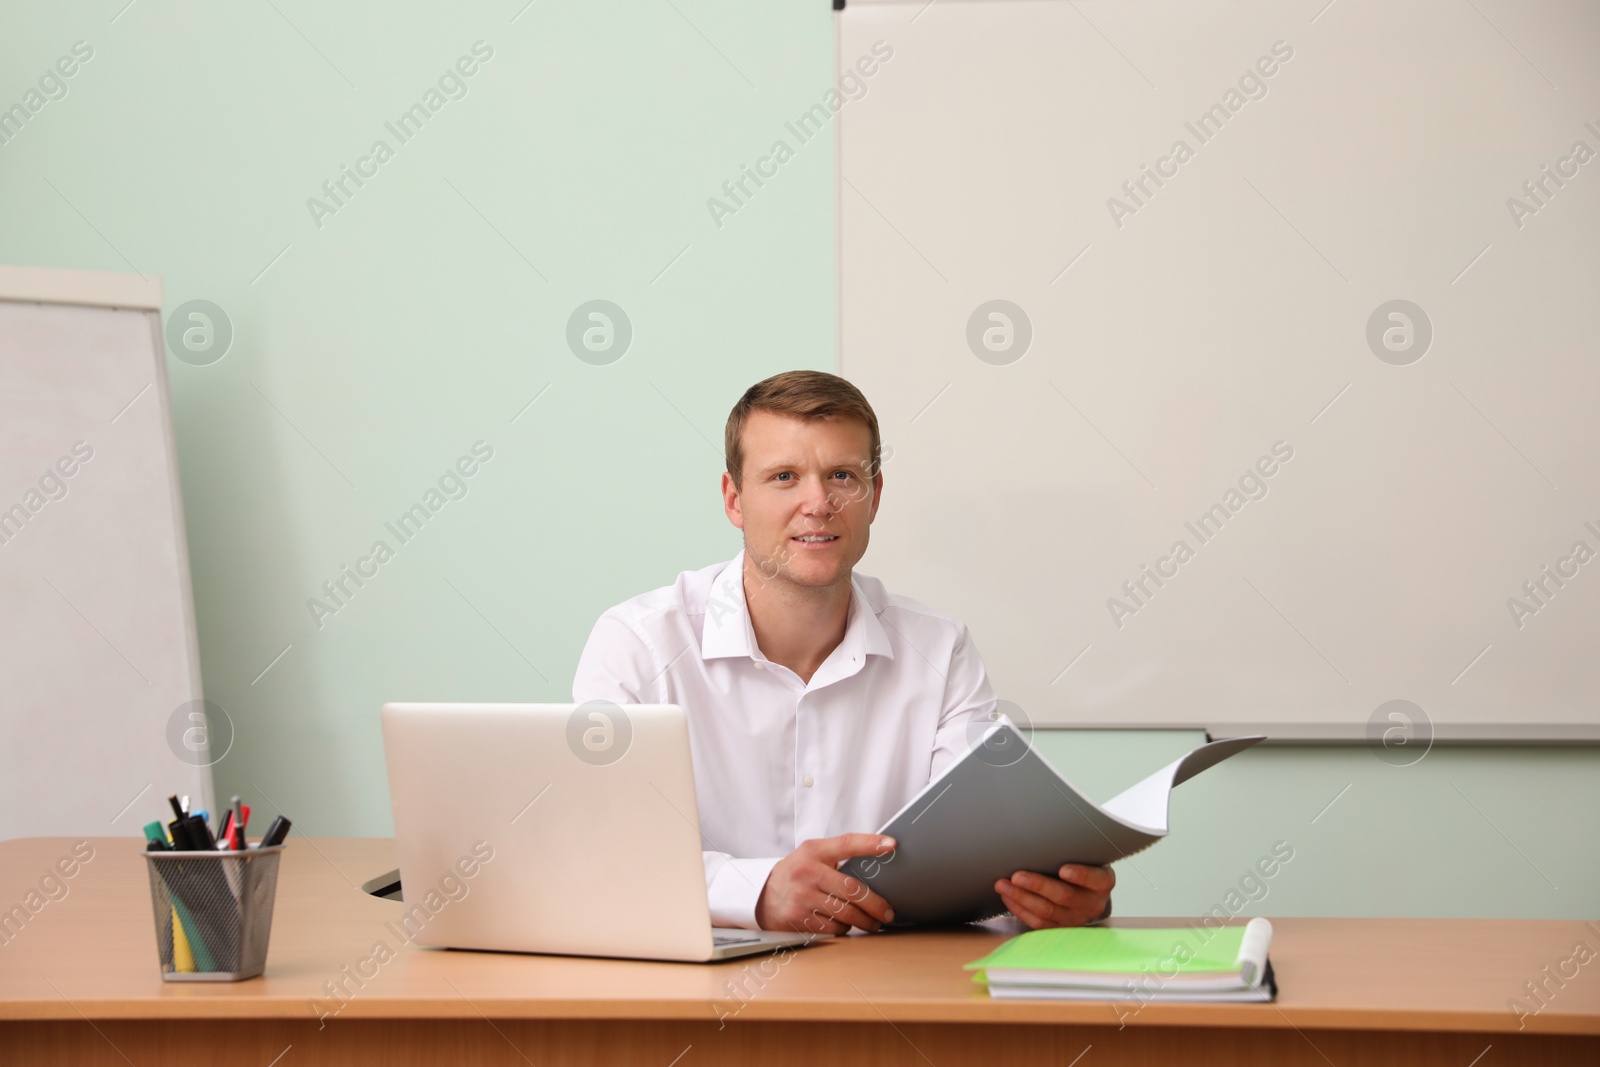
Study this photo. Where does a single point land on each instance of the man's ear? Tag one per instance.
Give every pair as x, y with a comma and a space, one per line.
877, 496
730, 501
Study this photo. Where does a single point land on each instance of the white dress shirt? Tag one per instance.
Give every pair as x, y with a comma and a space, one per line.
778, 761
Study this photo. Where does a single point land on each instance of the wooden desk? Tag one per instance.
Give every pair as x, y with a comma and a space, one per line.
79, 983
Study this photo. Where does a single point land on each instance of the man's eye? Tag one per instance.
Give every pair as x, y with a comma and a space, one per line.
784, 474
847, 474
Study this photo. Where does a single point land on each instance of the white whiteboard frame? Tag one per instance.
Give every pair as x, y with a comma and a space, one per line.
1500, 733
138, 293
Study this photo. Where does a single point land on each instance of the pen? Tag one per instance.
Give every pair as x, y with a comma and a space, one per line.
237, 815
177, 809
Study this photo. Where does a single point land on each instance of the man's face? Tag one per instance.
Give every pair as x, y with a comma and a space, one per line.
807, 503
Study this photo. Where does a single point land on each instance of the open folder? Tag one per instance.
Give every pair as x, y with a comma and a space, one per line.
1000, 809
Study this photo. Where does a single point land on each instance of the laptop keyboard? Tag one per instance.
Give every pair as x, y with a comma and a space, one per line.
732, 937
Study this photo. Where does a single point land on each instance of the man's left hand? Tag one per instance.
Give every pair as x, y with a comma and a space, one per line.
1078, 896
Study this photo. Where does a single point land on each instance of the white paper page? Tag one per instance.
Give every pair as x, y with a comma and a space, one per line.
1145, 803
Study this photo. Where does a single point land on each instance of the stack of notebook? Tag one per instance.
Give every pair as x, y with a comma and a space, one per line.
1099, 963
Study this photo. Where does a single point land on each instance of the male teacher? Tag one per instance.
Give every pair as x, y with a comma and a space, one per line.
818, 702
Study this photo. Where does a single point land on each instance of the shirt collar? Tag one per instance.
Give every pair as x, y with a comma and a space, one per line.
728, 633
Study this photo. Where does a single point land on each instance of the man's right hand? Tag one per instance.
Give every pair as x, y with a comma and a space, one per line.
806, 891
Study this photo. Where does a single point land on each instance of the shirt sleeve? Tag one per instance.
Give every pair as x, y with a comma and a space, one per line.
733, 886
618, 664
968, 699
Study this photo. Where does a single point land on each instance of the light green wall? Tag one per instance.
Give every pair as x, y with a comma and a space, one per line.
1466, 831
382, 345
414, 322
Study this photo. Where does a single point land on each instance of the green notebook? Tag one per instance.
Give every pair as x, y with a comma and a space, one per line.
1169, 961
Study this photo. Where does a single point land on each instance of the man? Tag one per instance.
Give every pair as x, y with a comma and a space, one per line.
818, 703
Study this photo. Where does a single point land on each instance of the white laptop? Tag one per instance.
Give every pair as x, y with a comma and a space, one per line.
556, 828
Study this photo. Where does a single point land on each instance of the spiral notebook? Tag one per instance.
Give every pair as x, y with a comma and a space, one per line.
1226, 963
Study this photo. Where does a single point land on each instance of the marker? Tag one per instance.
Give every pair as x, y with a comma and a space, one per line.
180, 835
203, 959
276, 832
155, 837
177, 809
182, 954
199, 833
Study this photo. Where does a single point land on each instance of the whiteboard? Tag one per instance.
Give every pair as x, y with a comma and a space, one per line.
99, 668
1319, 347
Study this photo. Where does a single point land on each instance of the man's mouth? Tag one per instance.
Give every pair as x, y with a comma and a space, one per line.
815, 539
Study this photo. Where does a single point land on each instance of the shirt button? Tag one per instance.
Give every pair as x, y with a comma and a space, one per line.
807, 781
759, 665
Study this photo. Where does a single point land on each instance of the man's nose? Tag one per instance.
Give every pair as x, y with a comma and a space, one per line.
819, 498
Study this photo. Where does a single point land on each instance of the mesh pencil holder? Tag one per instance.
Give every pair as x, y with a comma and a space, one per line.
213, 912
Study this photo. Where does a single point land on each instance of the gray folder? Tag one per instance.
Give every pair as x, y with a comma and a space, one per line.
1001, 809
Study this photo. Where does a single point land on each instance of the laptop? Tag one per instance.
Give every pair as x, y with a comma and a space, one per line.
554, 828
